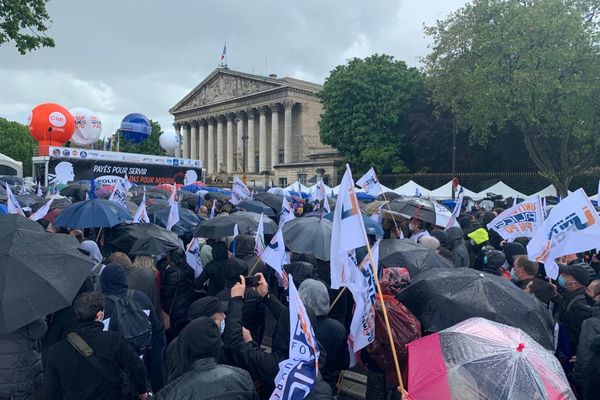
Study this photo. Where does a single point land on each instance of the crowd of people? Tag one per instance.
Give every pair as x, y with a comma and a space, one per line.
146, 326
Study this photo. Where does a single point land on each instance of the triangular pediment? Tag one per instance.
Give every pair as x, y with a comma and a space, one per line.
223, 85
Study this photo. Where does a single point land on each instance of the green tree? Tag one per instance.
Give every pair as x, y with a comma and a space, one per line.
366, 103
17, 143
150, 146
530, 66
25, 22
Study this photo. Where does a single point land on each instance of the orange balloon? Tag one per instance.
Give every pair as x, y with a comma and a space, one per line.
51, 124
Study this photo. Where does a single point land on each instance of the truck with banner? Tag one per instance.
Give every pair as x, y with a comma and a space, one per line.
63, 165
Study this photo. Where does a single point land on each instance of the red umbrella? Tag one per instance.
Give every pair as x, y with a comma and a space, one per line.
167, 187
52, 215
481, 359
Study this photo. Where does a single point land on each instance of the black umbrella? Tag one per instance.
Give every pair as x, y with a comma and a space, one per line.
216, 196
416, 207
222, 226
256, 207
76, 190
146, 239
60, 202
40, 273
131, 207
271, 199
188, 220
410, 255
309, 235
27, 200
388, 196
95, 213
441, 298
15, 221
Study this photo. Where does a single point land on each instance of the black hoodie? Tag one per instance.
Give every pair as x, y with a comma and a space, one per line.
456, 244
214, 272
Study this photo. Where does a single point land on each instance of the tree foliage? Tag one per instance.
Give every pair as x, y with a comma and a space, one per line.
527, 66
366, 103
17, 143
150, 146
25, 22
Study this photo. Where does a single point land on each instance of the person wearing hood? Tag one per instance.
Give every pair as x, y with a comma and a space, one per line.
590, 330
199, 348
253, 307
264, 366
91, 248
177, 290
456, 244
115, 288
214, 271
512, 250
494, 262
331, 334
244, 250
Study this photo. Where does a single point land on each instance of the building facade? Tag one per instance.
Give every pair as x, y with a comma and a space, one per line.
261, 128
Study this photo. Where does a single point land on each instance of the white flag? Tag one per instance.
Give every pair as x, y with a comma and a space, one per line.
141, 215
369, 183
213, 210
573, 226
521, 220
174, 210
12, 204
239, 192
192, 256
453, 221
42, 212
417, 192
298, 374
362, 287
119, 195
127, 185
39, 191
287, 212
236, 231
259, 238
274, 254
348, 231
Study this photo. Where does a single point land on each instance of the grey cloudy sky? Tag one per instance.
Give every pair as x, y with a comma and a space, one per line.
121, 56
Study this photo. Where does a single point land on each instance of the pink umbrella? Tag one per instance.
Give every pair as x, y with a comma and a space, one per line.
481, 359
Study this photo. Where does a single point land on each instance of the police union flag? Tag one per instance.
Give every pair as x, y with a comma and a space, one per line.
573, 226
370, 183
348, 231
521, 220
298, 374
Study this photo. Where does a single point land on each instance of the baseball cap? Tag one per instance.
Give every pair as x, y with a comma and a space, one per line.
577, 271
206, 307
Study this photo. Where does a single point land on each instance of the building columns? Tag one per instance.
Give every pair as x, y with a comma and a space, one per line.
220, 155
288, 147
251, 147
262, 141
229, 156
202, 140
274, 135
239, 119
210, 157
194, 141
186, 140
178, 131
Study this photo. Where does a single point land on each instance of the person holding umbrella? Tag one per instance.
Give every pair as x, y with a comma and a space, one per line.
418, 229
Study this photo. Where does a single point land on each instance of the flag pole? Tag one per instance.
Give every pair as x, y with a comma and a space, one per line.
385, 317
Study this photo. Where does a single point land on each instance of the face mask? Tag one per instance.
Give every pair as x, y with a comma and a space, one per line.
589, 299
411, 226
513, 275
561, 281
222, 327
484, 260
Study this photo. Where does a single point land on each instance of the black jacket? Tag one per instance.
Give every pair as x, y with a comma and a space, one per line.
20, 361
145, 281
214, 272
456, 244
333, 339
69, 376
578, 311
590, 330
591, 375
177, 292
209, 380
539, 288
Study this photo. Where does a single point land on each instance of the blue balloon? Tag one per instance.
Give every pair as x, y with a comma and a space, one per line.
136, 128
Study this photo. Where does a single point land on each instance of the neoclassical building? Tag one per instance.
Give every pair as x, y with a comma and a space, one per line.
260, 127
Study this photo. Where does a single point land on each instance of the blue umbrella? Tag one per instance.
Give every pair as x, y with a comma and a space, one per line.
94, 213
3, 209
188, 219
372, 227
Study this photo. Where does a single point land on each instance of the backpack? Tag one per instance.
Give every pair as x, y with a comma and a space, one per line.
130, 320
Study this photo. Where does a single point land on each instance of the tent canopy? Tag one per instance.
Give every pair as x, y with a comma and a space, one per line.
502, 189
445, 192
410, 189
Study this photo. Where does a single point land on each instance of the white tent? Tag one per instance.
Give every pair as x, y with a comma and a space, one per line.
314, 187
445, 192
410, 189
336, 189
502, 189
294, 187
549, 190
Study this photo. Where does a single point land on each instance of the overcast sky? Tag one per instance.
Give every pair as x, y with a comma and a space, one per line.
117, 57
